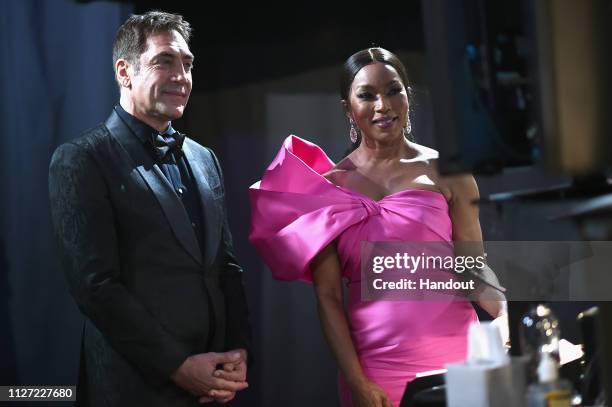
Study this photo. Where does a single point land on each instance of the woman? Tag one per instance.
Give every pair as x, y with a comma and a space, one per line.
310, 215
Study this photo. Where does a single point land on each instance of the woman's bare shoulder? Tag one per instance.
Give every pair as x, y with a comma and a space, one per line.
427, 159
462, 187
431, 157
425, 152
340, 170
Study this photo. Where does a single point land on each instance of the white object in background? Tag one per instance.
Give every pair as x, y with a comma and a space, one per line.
568, 352
485, 344
485, 378
550, 390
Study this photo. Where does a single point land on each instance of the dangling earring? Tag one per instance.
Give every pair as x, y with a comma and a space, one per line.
354, 133
407, 129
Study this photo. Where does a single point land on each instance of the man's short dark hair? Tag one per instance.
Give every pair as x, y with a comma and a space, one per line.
131, 39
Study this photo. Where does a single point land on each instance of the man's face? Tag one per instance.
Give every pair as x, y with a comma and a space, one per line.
161, 86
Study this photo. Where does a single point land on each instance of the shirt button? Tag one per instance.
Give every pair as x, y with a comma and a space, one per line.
193, 224
180, 191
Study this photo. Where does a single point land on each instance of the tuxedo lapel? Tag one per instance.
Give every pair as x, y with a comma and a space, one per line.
211, 212
158, 184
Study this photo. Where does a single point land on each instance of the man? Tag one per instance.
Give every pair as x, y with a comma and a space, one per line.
139, 212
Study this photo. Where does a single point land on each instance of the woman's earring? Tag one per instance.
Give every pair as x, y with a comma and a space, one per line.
354, 133
407, 129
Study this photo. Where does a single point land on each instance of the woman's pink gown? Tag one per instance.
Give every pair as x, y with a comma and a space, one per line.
296, 212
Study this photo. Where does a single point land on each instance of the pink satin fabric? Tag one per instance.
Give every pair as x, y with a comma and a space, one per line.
296, 212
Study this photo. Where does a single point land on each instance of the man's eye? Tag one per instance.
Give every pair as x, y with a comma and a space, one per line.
364, 95
188, 66
395, 91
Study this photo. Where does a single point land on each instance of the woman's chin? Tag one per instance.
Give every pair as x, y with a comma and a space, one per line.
386, 135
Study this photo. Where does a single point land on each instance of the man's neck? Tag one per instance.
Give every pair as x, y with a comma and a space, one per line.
159, 125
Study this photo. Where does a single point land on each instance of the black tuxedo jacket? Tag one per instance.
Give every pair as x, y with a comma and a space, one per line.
133, 263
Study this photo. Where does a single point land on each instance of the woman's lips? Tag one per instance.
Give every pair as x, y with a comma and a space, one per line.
384, 123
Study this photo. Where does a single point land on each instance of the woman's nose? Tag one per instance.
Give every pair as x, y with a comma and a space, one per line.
382, 104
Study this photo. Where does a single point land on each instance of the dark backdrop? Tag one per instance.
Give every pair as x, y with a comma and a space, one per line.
251, 63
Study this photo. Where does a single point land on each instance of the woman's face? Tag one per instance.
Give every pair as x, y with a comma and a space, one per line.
378, 102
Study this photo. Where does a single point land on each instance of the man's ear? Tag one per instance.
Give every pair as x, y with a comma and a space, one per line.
123, 73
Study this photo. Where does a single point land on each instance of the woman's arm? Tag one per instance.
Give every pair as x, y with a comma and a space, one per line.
466, 228
327, 279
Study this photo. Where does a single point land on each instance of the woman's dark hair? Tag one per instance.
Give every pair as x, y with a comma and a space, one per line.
366, 57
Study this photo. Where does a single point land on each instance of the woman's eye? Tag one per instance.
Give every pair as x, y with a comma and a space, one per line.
364, 95
395, 91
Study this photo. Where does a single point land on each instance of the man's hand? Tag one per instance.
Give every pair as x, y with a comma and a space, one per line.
235, 371
231, 371
196, 375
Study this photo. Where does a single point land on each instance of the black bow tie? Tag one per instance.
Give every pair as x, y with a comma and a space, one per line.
163, 145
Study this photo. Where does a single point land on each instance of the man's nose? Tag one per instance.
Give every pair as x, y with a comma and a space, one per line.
180, 73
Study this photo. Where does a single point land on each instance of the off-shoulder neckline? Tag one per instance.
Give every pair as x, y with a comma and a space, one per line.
352, 191
400, 192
